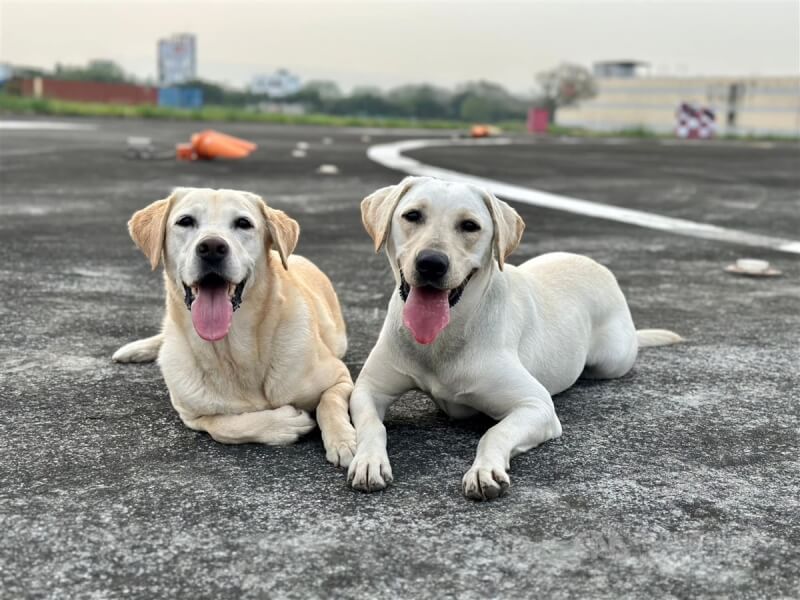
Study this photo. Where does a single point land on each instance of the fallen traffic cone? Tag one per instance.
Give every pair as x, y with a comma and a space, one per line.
213, 144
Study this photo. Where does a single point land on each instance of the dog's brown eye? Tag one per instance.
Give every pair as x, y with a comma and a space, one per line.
242, 223
469, 225
185, 221
413, 216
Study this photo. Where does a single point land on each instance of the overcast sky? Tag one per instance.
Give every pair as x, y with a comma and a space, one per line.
387, 43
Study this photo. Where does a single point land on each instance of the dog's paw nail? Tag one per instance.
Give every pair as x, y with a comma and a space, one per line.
369, 473
485, 484
501, 477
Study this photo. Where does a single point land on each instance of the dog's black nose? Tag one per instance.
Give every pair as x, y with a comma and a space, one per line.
432, 265
212, 250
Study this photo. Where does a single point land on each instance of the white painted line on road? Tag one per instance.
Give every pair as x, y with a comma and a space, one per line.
50, 150
391, 156
45, 125
716, 143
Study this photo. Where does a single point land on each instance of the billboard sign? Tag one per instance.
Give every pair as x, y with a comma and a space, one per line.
177, 59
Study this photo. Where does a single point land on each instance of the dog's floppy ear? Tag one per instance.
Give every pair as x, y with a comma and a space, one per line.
508, 227
284, 232
148, 227
377, 210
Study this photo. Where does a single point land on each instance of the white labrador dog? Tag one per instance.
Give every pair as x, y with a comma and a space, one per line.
253, 337
480, 335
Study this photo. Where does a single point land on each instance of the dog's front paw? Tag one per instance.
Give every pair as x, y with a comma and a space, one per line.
370, 470
140, 351
289, 425
341, 447
485, 483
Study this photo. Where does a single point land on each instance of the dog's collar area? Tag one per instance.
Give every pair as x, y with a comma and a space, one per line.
213, 280
452, 298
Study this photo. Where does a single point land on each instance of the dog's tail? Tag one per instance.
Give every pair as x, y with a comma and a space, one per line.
656, 337
140, 351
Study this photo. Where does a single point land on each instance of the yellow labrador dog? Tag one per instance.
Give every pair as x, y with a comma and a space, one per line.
478, 334
253, 336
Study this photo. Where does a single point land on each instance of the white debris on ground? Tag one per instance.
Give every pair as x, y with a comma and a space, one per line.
752, 267
328, 170
298, 153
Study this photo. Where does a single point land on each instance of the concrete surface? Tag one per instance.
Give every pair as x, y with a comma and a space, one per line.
679, 480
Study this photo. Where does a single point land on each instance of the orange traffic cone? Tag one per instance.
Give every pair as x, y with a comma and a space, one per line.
213, 144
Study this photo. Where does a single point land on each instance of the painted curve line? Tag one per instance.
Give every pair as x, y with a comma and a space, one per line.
391, 155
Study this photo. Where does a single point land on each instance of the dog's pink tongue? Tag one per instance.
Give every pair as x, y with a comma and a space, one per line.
426, 313
212, 312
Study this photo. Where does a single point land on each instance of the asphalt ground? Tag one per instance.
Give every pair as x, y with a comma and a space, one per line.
678, 480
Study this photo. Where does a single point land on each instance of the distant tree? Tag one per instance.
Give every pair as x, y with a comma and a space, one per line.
26, 72
565, 85
476, 109
327, 90
485, 101
478, 101
106, 71
422, 101
317, 95
212, 93
220, 95
363, 90
363, 102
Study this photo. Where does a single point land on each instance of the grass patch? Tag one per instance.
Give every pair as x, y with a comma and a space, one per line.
20, 105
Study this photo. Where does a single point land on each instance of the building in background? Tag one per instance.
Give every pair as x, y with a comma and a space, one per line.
177, 59
743, 105
280, 84
180, 97
85, 91
622, 69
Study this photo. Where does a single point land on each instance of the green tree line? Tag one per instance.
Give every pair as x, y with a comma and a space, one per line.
477, 101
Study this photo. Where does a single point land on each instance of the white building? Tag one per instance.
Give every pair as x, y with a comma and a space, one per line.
279, 84
743, 105
621, 69
177, 59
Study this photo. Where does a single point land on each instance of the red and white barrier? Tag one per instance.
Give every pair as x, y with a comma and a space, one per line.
695, 122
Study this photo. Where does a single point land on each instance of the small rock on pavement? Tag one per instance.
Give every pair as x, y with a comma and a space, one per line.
328, 170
